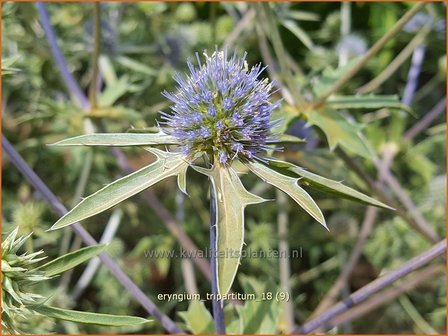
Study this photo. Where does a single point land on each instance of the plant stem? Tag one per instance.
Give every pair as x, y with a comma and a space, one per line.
370, 53
367, 291
95, 55
69, 81
218, 312
58, 207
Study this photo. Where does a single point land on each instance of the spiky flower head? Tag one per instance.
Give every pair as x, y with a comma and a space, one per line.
18, 274
221, 108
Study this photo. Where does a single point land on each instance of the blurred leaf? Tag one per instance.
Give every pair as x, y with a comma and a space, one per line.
70, 260
301, 35
323, 184
167, 164
136, 66
231, 198
288, 185
367, 102
286, 139
113, 92
90, 318
340, 131
198, 319
119, 139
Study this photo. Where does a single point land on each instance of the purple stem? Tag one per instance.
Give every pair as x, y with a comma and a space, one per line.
69, 81
373, 287
130, 286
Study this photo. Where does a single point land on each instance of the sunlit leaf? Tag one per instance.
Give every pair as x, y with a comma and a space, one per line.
290, 186
70, 260
340, 131
324, 184
119, 139
286, 139
89, 318
231, 198
366, 102
167, 164
198, 319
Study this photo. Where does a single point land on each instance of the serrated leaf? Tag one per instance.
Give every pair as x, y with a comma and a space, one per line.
119, 139
86, 317
198, 319
166, 165
366, 102
324, 184
290, 186
340, 131
113, 92
70, 260
230, 198
330, 75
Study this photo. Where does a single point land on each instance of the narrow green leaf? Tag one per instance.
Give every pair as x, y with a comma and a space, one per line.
285, 139
324, 184
288, 185
89, 318
167, 164
231, 198
119, 139
301, 35
70, 260
198, 319
367, 102
340, 131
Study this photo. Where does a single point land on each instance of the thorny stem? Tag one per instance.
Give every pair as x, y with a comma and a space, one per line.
218, 312
373, 287
370, 53
57, 206
95, 55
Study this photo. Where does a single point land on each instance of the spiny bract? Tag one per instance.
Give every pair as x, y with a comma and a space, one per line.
221, 108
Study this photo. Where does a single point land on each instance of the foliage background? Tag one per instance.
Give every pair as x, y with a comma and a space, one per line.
143, 45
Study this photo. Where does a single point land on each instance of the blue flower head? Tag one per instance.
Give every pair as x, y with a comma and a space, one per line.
221, 108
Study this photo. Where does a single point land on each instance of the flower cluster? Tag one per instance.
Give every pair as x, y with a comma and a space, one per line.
18, 274
221, 108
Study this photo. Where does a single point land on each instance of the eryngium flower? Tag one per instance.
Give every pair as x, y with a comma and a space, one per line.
18, 274
221, 108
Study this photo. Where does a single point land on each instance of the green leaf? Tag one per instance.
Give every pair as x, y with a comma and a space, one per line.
340, 131
198, 319
89, 318
119, 139
70, 260
330, 75
301, 35
288, 185
259, 316
113, 92
231, 198
285, 139
166, 165
324, 184
367, 102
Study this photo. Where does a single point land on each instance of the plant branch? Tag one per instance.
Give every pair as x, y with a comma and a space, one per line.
370, 53
378, 300
95, 55
69, 81
426, 120
59, 208
218, 312
367, 291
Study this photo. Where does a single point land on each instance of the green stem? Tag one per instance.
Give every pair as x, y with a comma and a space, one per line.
95, 55
370, 53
